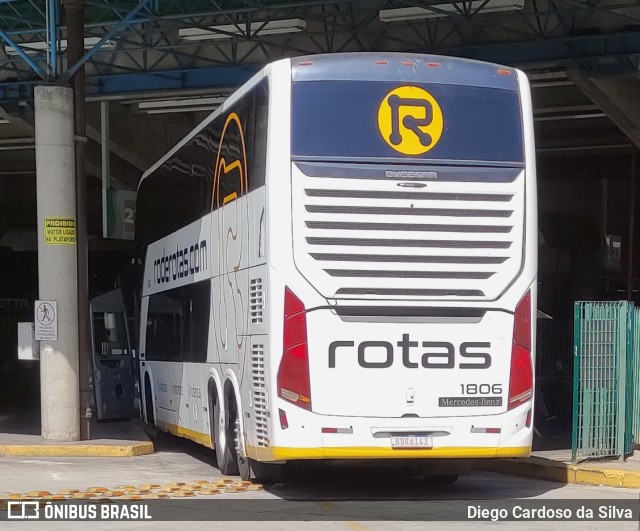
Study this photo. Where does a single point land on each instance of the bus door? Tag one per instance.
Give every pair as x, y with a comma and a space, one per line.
112, 358
163, 314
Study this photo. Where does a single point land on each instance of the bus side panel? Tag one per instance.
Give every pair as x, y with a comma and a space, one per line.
195, 417
169, 383
230, 289
257, 226
274, 243
257, 262
531, 212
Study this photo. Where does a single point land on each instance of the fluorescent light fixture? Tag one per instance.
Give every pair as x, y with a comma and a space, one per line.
41, 46
181, 109
558, 117
227, 31
187, 102
445, 10
4, 121
181, 105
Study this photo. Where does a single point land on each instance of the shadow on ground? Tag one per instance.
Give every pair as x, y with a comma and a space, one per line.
370, 480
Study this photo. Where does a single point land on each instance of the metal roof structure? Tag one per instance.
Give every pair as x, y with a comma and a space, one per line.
164, 63
151, 45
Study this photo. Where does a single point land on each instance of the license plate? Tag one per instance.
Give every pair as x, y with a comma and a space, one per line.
412, 441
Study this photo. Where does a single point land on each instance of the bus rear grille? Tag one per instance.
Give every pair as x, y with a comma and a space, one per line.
336, 257
259, 393
406, 274
360, 238
427, 293
402, 227
394, 211
441, 196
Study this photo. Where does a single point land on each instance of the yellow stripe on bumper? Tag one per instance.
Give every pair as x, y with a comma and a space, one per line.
473, 452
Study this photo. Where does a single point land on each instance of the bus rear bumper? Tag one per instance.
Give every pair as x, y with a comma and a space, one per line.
308, 437
279, 453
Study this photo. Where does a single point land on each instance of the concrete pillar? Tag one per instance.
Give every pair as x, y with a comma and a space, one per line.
57, 262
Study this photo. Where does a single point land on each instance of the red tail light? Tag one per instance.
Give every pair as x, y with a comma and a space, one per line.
293, 375
521, 377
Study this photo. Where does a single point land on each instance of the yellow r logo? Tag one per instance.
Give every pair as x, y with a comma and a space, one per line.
410, 120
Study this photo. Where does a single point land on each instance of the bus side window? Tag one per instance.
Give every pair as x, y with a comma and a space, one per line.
178, 323
164, 328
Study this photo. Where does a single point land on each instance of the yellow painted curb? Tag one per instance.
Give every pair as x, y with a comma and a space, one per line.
563, 472
76, 450
610, 477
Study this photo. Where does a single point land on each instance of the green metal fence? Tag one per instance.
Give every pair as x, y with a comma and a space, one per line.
635, 378
603, 375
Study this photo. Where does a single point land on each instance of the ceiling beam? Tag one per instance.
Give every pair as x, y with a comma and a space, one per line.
117, 150
169, 80
553, 50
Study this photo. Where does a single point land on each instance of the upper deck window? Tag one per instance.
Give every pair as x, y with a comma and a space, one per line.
379, 119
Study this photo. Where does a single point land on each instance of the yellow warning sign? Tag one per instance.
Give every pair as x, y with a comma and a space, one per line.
410, 120
60, 231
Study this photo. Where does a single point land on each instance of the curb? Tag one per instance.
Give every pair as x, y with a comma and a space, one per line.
539, 468
77, 450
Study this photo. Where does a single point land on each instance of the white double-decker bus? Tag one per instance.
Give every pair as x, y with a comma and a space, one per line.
341, 264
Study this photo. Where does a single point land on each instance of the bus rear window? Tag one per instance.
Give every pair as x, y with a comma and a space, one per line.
369, 120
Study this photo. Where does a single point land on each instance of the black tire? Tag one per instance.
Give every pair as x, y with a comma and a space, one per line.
266, 473
242, 461
148, 402
224, 445
244, 466
442, 479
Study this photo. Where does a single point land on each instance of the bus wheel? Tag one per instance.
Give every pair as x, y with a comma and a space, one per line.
242, 460
225, 454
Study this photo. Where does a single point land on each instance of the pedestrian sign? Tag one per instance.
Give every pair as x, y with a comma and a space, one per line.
46, 320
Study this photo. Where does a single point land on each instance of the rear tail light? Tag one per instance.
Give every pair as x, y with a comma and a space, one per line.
293, 375
521, 376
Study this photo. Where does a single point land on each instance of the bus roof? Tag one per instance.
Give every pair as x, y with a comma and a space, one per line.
403, 67
372, 66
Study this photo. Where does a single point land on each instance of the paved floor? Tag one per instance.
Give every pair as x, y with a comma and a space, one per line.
378, 498
319, 490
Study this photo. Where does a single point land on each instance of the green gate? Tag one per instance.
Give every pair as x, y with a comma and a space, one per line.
604, 369
635, 379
